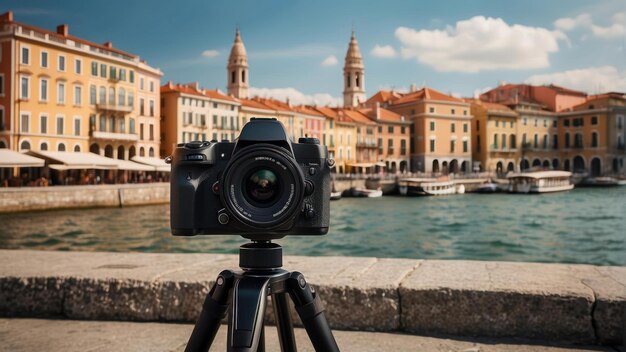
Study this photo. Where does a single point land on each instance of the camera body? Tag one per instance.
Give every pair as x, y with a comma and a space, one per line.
261, 186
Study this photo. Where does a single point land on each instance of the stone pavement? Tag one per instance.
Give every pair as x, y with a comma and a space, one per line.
21, 335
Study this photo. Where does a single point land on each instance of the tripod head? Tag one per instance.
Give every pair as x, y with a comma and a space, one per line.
260, 256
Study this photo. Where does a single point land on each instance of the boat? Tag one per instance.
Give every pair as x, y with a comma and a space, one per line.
335, 195
487, 187
540, 182
368, 193
601, 182
426, 187
387, 185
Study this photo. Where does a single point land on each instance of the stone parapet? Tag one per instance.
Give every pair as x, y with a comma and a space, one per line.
573, 303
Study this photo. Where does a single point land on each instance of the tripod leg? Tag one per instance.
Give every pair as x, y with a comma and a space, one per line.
247, 312
311, 312
213, 310
283, 322
261, 347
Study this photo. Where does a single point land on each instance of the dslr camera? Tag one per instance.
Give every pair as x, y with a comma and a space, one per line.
261, 186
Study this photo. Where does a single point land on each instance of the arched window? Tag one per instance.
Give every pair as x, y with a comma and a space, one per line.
358, 80
495, 141
2, 144
151, 152
61, 147
232, 77
348, 80
594, 139
512, 143
111, 96
25, 145
43, 146
142, 152
92, 95
243, 76
503, 141
77, 148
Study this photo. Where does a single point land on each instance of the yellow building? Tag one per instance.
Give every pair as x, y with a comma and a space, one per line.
63, 93
494, 137
340, 136
592, 136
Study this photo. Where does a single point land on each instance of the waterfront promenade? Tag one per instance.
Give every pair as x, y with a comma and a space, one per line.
579, 304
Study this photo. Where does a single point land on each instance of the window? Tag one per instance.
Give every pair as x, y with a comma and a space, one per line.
141, 131
403, 147
566, 122
452, 128
121, 123
112, 72
1, 84
390, 129
402, 129
555, 141
43, 89
111, 96
43, 124
545, 123
43, 146
111, 123
92, 95
477, 125
151, 107
61, 147
77, 126
122, 74
131, 76
131, 126
92, 122
61, 63
103, 70
25, 59
141, 83
24, 87
44, 59
536, 141
131, 98
535, 123
503, 141
25, 145
152, 86
152, 132
121, 99
431, 110
94, 68
619, 122
465, 127
60, 92
578, 140
102, 99
141, 106
78, 92
103, 123
452, 111
594, 139
567, 140
77, 148
452, 145
495, 141
24, 122
497, 123
78, 66
380, 129
432, 125
594, 120
432, 145
59, 125
478, 144
465, 146
554, 123
545, 141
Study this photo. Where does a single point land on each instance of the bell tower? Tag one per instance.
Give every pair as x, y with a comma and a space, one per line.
237, 74
353, 75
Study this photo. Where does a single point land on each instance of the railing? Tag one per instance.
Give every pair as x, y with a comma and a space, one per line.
114, 107
114, 135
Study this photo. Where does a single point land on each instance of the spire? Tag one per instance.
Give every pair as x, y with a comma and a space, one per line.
354, 75
237, 70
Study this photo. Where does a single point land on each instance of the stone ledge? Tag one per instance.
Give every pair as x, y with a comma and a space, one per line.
575, 303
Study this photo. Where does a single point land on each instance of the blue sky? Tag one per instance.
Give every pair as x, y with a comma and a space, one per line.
297, 48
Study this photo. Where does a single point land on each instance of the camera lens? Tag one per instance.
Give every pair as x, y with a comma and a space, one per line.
262, 186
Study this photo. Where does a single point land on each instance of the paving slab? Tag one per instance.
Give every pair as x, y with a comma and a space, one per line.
22, 335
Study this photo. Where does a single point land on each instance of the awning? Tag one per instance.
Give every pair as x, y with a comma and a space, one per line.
10, 158
132, 166
76, 160
158, 164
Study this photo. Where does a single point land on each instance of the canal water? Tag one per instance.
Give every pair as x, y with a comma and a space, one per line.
581, 226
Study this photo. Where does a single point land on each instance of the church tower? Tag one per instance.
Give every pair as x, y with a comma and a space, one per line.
353, 75
238, 69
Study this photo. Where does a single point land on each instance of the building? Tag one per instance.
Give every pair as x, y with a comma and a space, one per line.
59, 92
191, 113
366, 156
494, 137
552, 97
340, 137
592, 135
353, 75
440, 131
237, 69
393, 140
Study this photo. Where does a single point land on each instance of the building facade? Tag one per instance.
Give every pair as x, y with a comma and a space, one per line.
63, 93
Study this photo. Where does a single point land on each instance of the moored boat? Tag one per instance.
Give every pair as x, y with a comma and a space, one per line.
335, 195
601, 182
540, 182
487, 187
387, 185
425, 187
368, 193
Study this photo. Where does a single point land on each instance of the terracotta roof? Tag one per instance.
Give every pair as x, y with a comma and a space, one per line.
489, 106
328, 112
193, 89
274, 104
309, 110
383, 114
426, 94
564, 90
254, 104
383, 96
356, 116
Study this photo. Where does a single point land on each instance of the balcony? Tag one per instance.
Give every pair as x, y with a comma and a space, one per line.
114, 136
363, 144
114, 107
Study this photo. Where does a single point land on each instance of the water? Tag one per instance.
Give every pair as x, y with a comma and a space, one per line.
581, 226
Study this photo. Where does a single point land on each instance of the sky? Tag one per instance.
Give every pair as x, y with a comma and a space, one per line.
296, 49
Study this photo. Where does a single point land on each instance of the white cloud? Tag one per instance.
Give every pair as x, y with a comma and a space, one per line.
592, 79
295, 96
210, 53
568, 23
385, 52
480, 43
616, 29
330, 61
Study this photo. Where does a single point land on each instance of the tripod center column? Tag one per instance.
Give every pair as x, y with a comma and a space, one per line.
260, 256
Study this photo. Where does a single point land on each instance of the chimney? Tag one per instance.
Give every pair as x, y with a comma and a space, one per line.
377, 111
413, 88
288, 102
7, 16
108, 45
63, 29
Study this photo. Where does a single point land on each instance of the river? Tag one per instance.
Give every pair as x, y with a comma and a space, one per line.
580, 226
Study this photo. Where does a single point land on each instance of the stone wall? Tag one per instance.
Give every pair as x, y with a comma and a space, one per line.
58, 197
558, 302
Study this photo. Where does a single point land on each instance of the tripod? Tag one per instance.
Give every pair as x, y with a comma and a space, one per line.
261, 275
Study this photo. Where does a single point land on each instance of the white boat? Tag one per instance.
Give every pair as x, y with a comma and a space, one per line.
425, 187
368, 193
540, 182
335, 195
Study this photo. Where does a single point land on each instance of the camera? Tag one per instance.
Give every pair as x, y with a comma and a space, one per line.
261, 186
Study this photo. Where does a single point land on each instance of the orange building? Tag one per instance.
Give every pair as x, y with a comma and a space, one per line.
393, 140
59, 92
340, 137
